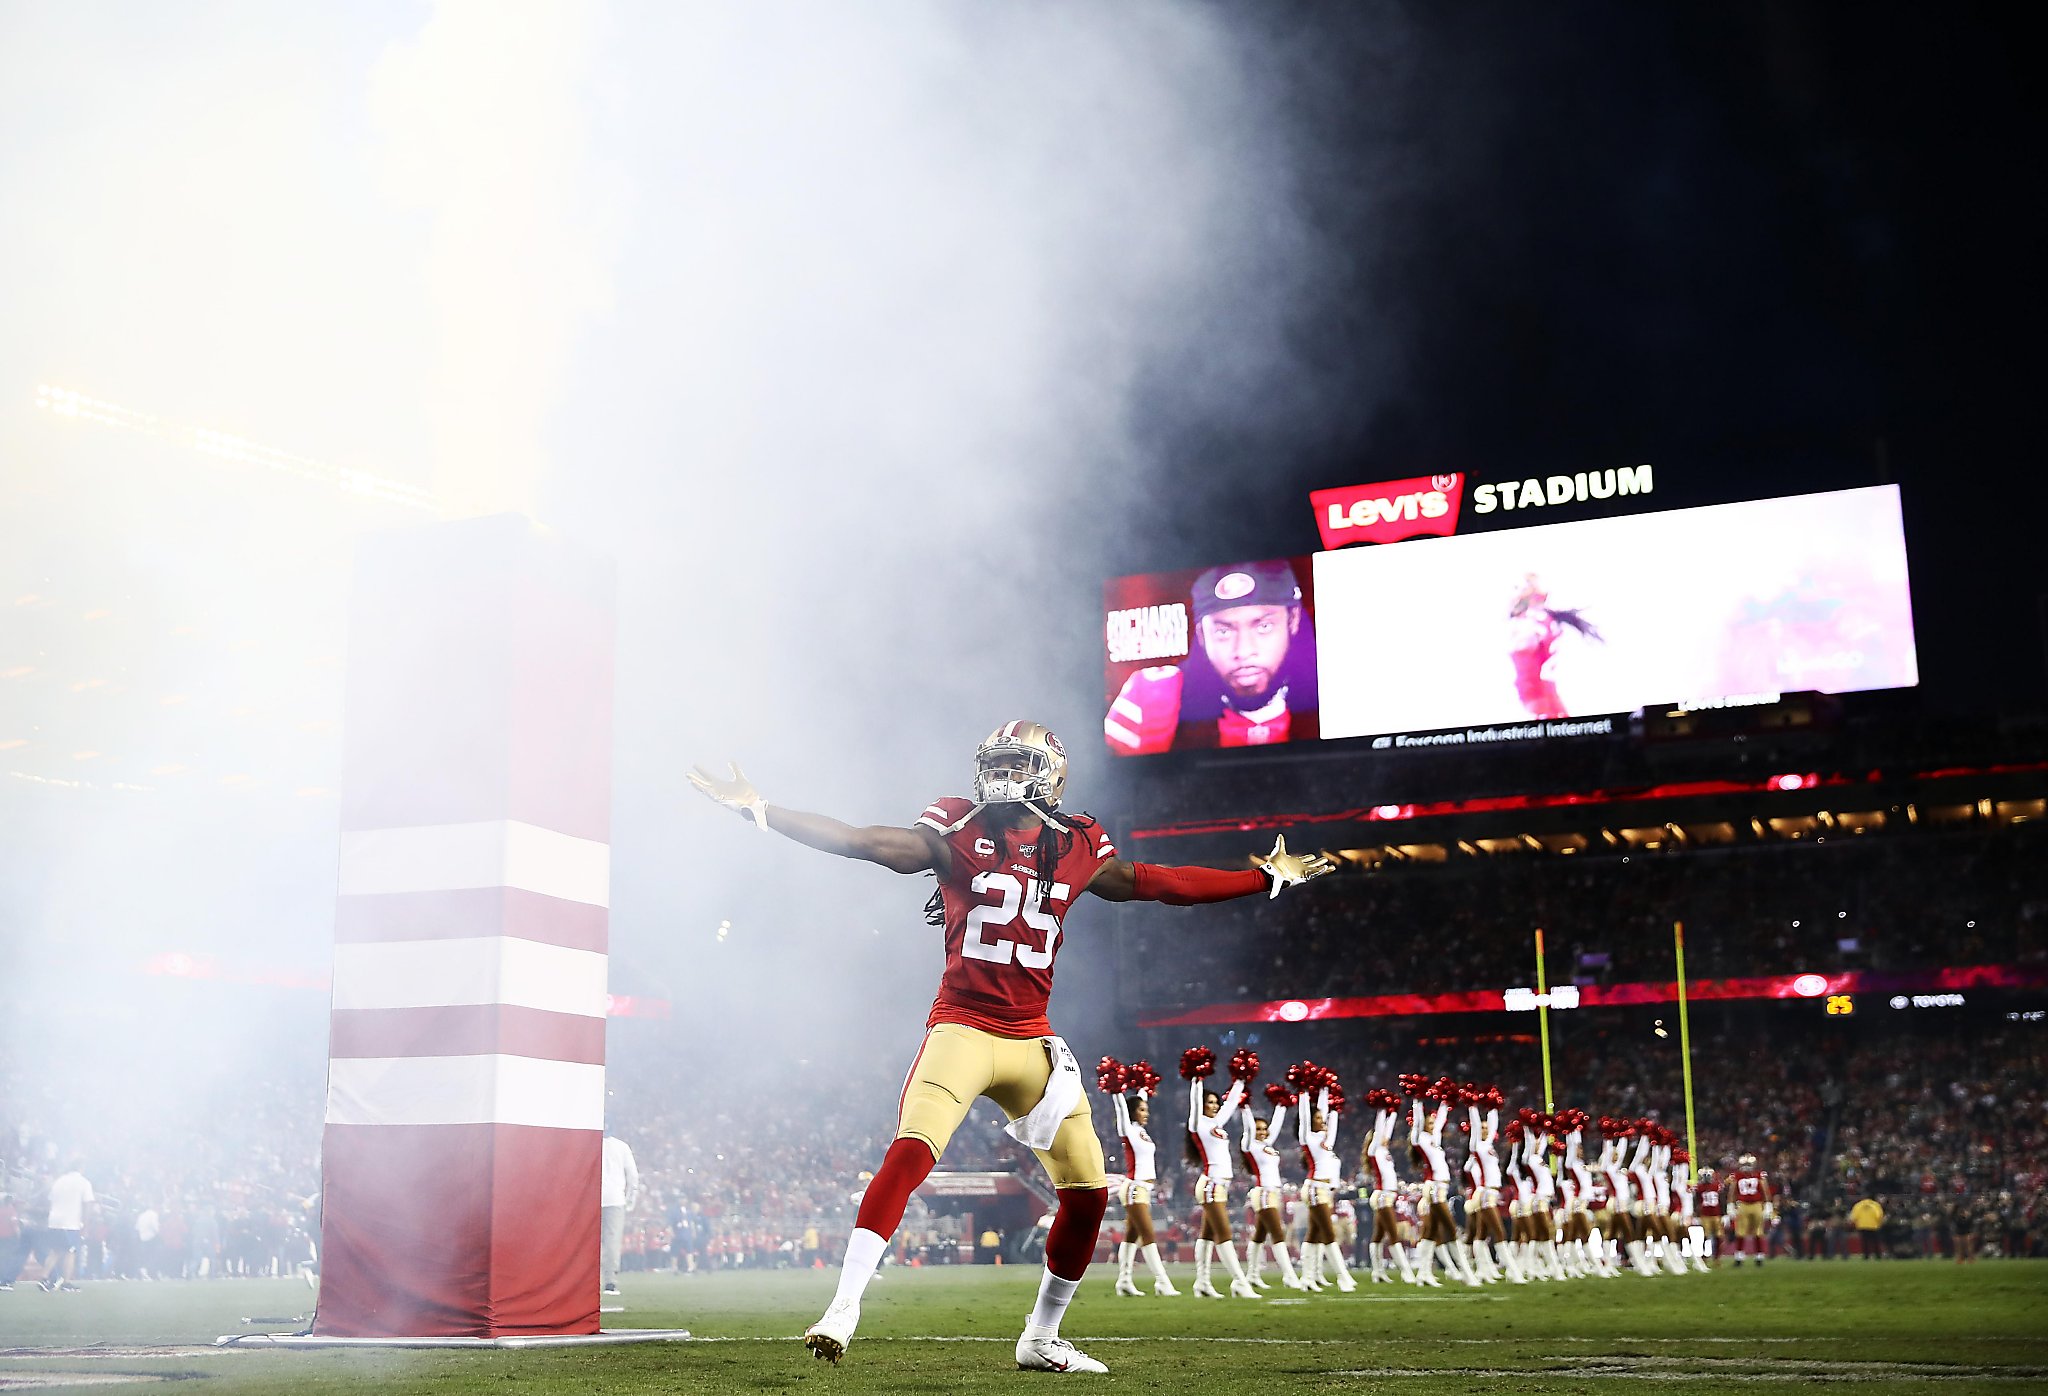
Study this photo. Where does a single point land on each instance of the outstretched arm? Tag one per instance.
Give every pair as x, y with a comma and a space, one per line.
1233, 1098
1119, 881
1123, 1115
899, 850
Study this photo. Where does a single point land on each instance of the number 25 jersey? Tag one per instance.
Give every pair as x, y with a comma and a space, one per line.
1003, 922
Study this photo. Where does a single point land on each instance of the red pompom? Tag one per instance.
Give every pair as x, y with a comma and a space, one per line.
1280, 1095
1336, 1099
1141, 1077
1110, 1076
1244, 1065
1197, 1063
1412, 1083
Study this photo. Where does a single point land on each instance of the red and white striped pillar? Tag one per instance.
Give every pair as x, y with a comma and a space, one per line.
465, 1105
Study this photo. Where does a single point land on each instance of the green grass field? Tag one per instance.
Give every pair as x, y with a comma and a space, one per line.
1790, 1326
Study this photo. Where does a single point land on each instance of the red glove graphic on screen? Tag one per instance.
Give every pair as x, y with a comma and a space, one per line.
1145, 712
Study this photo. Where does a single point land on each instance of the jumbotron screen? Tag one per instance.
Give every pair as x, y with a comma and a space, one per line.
1728, 603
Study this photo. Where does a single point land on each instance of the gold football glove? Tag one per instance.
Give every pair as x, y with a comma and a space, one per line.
737, 794
1286, 868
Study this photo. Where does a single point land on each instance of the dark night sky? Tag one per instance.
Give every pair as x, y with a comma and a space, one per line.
1771, 248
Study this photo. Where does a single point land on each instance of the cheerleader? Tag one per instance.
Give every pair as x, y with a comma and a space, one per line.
1664, 1198
1517, 1191
1482, 1191
1585, 1248
1544, 1262
1386, 1188
1321, 1254
1141, 1155
1624, 1203
1648, 1207
1262, 1160
1426, 1147
1209, 1146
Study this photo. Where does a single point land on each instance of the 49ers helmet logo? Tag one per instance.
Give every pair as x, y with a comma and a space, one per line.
1233, 585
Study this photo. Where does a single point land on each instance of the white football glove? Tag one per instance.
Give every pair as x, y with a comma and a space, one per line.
737, 794
1286, 868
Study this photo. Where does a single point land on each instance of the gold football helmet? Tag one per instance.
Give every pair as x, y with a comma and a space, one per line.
1020, 761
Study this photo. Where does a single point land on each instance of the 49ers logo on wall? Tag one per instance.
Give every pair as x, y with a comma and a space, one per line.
1389, 511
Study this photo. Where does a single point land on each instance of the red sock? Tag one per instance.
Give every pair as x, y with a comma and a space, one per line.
1070, 1242
907, 1164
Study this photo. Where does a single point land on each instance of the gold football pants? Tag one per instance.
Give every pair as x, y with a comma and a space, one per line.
958, 1063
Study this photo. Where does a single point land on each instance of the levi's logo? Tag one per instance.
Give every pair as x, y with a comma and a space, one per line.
1389, 511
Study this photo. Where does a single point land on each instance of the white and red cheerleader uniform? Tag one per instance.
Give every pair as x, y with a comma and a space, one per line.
1429, 1137
1212, 1138
1433, 1190
1385, 1193
1482, 1194
1262, 1158
1141, 1156
1141, 1174
1544, 1261
1325, 1171
1379, 1159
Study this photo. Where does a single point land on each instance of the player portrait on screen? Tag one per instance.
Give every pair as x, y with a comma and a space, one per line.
1534, 628
1249, 678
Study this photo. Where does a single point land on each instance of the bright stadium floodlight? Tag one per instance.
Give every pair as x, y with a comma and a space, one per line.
224, 445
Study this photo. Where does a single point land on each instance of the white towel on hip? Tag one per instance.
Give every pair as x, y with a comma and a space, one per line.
1035, 1129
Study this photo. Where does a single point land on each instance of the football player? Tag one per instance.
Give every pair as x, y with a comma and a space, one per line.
1255, 681
1009, 864
1750, 1186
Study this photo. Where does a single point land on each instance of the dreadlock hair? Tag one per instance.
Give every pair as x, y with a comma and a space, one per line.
1053, 845
1577, 621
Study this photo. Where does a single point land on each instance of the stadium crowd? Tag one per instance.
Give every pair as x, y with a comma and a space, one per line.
1909, 902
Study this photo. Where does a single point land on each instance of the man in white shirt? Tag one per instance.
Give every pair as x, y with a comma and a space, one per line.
70, 1195
148, 1227
618, 1191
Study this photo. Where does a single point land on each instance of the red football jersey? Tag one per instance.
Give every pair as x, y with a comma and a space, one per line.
1750, 1186
1002, 923
1708, 1199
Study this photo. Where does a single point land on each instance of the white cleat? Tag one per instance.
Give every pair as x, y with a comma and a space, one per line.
1164, 1289
828, 1337
1053, 1355
1243, 1289
1125, 1287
